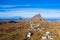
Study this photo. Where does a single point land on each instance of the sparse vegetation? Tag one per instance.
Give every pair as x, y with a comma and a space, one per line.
12, 30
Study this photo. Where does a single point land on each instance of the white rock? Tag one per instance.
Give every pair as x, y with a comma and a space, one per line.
29, 34
44, 37
51, 38
47, 33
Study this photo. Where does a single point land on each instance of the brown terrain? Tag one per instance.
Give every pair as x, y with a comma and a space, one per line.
17, 30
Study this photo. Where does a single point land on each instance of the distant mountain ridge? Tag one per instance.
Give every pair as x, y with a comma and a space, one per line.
13, 18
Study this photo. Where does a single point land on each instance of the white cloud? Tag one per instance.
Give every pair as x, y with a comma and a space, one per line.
30, 12
5, 6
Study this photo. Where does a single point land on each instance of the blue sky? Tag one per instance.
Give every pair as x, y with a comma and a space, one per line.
28, 8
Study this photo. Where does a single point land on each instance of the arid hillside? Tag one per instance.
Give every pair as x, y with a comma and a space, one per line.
39, 28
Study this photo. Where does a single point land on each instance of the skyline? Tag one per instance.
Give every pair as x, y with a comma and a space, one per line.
28, 8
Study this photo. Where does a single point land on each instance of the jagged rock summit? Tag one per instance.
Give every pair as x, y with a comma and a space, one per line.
37, 17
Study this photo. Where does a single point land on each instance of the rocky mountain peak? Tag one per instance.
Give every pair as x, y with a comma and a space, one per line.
37, 17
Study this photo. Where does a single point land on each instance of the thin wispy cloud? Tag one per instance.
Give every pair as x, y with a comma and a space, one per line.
4, 8
30, 12
7, 6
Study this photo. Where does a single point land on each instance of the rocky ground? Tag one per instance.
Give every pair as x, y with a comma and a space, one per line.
17, 30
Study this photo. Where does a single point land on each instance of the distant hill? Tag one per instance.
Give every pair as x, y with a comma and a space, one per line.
13, 18
52, 19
